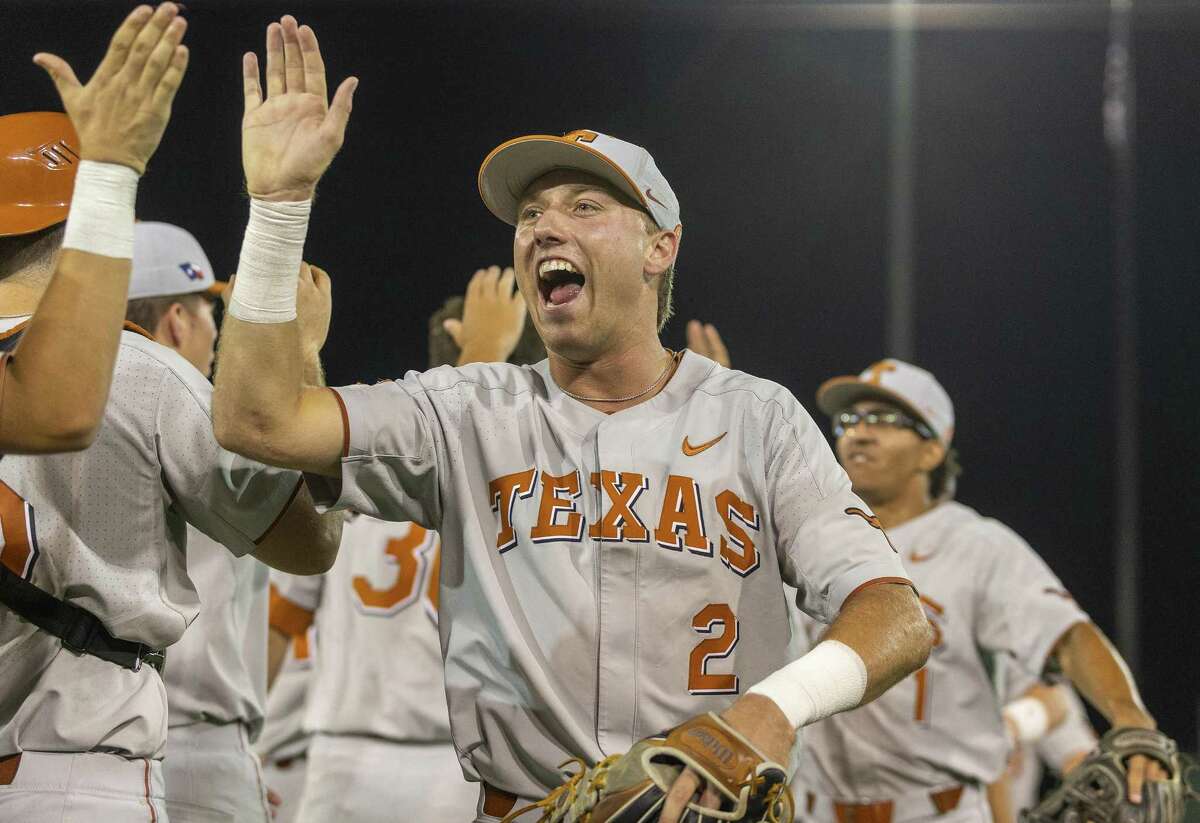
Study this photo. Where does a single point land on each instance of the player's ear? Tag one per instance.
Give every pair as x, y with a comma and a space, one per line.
174, 325
932, 455
661, 250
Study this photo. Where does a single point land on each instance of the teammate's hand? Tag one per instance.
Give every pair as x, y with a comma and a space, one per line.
493, 318
274, 801
121, 113
314, 307
761, 722
703, 338
290, 138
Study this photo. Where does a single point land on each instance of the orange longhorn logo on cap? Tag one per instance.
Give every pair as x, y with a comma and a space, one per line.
878, 370
581, 136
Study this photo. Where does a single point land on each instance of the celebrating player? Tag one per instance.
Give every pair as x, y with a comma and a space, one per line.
929, 747
94, 585
617, 522
53, 395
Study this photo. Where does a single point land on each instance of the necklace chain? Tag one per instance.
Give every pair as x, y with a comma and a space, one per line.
657, 380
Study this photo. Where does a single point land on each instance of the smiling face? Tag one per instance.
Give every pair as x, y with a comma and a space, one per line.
588, 263
886, 462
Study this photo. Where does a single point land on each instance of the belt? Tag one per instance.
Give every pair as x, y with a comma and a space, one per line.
8, 768
497, 802
882, 811
77, 628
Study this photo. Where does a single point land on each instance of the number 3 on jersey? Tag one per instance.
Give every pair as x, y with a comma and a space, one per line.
415, 557
18, 535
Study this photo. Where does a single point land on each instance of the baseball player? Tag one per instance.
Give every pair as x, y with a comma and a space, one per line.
84, 170
283, 745
377, 705
96, 587
216, 684
929, 747
617, 522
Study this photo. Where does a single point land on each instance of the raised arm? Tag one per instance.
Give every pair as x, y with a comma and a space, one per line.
119, 116
262, 406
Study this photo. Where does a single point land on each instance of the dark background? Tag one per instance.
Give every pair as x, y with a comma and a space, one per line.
773, 130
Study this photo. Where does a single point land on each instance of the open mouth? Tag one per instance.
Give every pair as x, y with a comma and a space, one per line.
559, 282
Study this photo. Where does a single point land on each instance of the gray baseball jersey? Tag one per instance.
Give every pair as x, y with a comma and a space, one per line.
105, 529
380, 672
218, 671
986, 593
605, 577
283, 736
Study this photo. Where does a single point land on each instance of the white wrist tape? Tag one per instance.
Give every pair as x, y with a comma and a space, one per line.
1029, 717
101, 217
265, 289
829, 679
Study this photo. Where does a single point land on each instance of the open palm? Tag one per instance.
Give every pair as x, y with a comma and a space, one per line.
290, 137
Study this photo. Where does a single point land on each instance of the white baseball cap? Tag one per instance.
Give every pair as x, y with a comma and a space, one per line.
911, 388
168, 260
507, 172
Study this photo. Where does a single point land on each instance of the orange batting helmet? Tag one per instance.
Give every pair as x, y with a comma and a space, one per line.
39, 153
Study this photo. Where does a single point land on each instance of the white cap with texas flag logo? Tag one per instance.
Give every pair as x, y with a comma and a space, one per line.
509, 169
910, 387
168, 260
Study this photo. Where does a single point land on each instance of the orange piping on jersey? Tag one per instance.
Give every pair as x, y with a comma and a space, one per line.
149, 802
282, 512
286, 616
345, 423
136, 329
901, 580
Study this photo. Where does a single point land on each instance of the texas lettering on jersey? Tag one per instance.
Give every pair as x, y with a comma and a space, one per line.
679, 525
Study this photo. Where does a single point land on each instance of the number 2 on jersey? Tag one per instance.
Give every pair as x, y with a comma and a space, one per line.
415, 557
700, 680
18, 549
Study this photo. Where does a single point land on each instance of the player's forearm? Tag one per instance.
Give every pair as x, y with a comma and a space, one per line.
303, 541
1089, 660
258, 386
56, 389
885, 625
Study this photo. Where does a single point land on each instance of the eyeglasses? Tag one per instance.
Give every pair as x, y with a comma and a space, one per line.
895, 420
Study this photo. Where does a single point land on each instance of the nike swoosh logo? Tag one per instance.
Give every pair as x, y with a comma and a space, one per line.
692, 451
920, 558
655, 199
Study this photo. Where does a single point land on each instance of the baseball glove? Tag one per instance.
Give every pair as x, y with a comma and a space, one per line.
631, 787
1095, 791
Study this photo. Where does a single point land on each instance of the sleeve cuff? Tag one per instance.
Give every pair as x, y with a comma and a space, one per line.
884, 570
286, 616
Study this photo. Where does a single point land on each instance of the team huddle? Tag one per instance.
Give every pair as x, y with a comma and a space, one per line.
562, 574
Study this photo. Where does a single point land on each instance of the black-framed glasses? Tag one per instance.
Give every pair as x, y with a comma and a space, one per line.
892, 419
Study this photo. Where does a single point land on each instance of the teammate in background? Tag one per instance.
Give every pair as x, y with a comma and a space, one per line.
377, 703
283, 745
95, 584
52, 396
930, 746
558, 634
216, 683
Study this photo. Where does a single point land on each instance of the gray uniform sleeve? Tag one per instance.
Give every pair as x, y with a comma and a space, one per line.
233, 500
830, 543
303, 590
1022, 608
389, 460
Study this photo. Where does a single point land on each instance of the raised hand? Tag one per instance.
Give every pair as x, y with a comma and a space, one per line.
493, 317
290, 137
121, 113
703, 338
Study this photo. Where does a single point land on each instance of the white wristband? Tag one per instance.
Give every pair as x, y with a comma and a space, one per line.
101, 217
1029, 717
829, 679
265, 289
